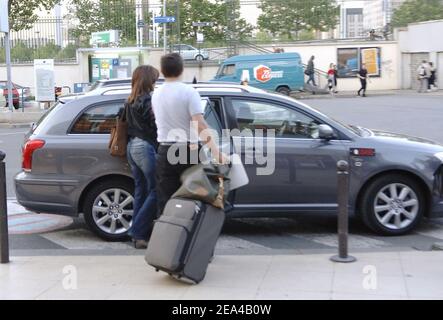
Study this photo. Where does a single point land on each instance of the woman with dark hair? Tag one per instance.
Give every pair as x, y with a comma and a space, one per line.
141, 153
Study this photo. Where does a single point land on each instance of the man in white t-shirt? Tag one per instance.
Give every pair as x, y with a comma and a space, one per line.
178, 109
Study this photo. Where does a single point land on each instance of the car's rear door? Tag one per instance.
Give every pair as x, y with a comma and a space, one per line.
87, 152
297, 170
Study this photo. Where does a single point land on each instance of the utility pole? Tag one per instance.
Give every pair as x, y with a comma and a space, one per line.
4, 27
164, 28
178, 23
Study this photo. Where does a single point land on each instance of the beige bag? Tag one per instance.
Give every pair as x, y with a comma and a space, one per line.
205, 182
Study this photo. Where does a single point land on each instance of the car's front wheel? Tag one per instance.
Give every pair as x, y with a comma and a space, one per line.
108, 209
199, 57
393, 205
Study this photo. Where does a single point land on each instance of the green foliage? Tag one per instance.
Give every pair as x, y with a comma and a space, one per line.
286, 18
20, 52
22, 13
68, 52
47, 51
93, 16
224, 14
416, 11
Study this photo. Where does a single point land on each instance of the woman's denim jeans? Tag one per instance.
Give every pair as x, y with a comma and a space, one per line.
141, 157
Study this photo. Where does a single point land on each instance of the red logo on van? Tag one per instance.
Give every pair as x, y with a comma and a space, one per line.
262, 73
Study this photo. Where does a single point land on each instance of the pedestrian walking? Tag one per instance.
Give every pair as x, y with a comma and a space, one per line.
431, 82
141, 153
310, 71
423, 75
178, 113
363, 76
335, 77
331, 78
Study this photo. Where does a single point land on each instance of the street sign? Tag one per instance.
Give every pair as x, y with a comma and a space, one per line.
104, 37
200, 37
203, 24
164, 19
44, 80
140, 24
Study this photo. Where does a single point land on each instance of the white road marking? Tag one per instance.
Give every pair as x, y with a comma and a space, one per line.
82, 239
433, 229
355, 241
230, 242
15, 208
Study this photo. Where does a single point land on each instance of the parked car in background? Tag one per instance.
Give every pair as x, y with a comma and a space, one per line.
24, 92
15, 93
190, 53
395, 180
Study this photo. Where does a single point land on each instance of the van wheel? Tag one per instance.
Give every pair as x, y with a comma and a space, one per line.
284, 90
108, 209
393, 205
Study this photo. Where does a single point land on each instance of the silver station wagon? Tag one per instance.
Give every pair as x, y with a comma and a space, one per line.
395, 180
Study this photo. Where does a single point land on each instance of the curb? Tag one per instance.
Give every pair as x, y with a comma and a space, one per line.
15, 125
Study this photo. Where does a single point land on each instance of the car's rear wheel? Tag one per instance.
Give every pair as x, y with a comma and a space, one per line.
393, 204
108, 209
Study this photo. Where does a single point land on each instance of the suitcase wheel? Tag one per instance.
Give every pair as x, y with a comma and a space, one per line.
157, 270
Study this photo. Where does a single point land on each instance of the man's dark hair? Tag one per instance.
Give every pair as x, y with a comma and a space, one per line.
171, 65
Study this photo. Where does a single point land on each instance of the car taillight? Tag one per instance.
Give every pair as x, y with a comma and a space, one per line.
28, 150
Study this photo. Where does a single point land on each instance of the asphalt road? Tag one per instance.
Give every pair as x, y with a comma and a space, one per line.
10, 142
413, 114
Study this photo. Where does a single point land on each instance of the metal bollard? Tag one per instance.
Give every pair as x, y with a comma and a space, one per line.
4, 236
343, 200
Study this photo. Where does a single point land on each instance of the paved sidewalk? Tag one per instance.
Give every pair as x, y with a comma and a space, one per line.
382, 275
370, 93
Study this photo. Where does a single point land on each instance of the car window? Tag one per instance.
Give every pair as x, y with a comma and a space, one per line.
99, 119
228, 70
211, 116
286, 122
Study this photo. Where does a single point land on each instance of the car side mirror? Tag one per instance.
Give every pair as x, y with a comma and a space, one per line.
325, 132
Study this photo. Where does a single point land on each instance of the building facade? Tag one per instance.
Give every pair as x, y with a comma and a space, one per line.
378, 13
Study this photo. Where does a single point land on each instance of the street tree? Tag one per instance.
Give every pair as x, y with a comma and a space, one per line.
416, 11
223, 14
92, 16
322, 15
22, 13
284, 17
289, 17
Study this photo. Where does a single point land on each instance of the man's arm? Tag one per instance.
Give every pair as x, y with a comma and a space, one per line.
210, 142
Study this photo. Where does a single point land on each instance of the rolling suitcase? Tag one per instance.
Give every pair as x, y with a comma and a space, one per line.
184, 237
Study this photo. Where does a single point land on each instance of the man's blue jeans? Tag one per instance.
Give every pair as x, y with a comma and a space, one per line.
141, 157
311, 79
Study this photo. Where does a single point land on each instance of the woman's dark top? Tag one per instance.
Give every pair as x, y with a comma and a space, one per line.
363, 73
141, 120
